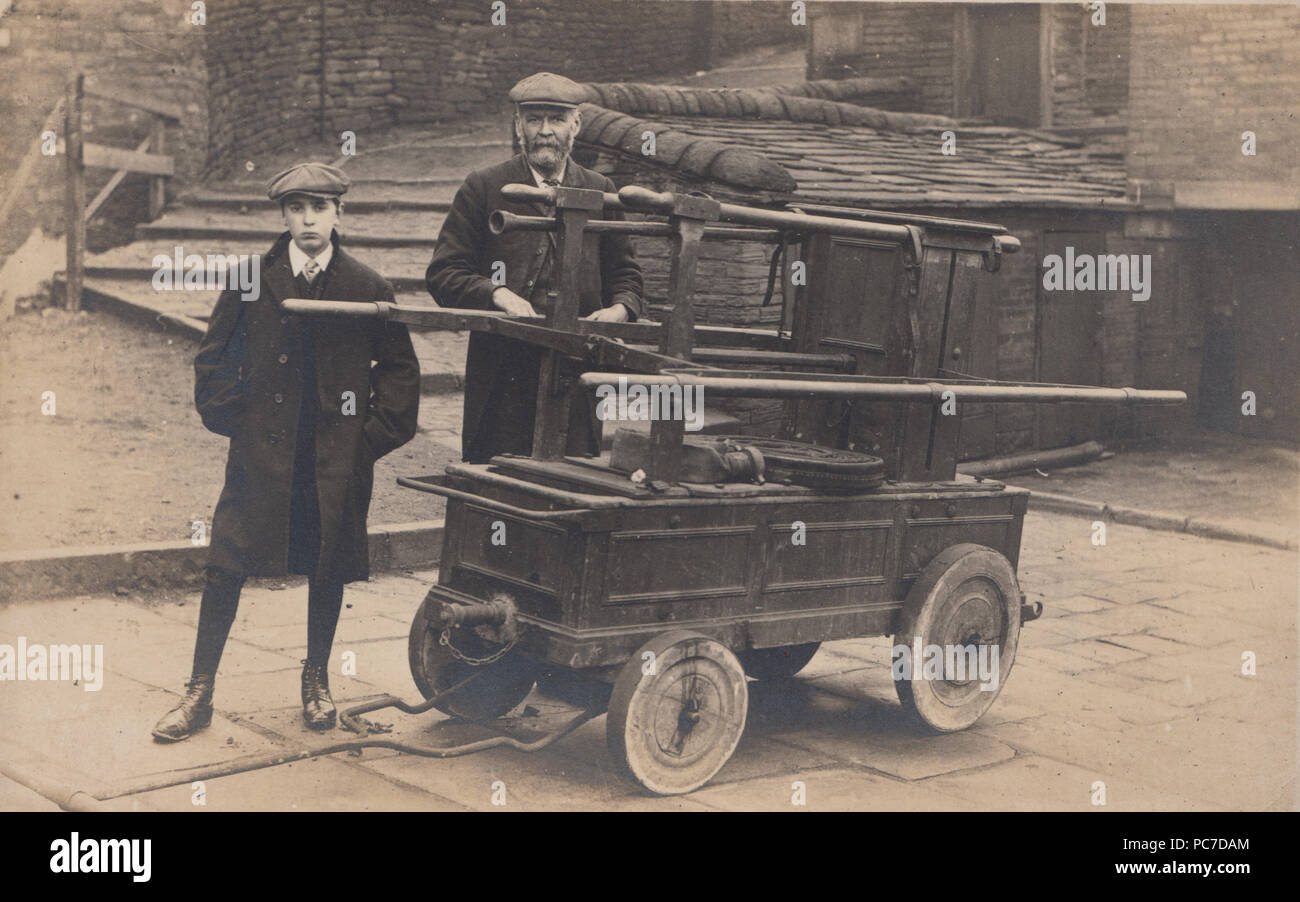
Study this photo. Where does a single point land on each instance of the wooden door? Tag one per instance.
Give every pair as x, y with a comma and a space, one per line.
1004, 81
971, 347
1069, 345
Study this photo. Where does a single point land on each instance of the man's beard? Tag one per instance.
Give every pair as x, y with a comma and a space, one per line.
547, 156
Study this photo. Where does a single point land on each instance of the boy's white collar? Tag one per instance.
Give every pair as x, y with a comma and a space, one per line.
298, 257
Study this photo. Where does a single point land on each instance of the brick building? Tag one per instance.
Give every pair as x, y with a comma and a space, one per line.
1173, 89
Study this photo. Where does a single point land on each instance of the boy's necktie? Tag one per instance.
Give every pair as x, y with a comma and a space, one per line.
310, 269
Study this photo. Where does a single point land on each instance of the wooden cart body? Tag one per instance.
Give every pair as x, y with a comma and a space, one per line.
592, 585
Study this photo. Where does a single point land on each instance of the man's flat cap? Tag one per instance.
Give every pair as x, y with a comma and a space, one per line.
313, 179
548, 89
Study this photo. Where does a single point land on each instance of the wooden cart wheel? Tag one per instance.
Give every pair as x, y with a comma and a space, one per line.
778, 663
675, 718
434, 667
967, 595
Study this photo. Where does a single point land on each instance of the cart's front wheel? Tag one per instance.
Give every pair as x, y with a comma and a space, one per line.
497, 686
779, 663
961, 625
677, 712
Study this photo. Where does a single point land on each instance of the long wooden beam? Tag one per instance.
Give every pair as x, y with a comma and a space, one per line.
461, 320
131, 160
127, 98
738, 384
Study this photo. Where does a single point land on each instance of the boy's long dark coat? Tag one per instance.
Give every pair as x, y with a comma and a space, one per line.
248, 386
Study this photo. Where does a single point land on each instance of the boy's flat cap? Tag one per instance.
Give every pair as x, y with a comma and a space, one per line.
313, 179
548, 89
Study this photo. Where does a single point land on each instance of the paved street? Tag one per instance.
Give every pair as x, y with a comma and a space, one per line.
1133, 678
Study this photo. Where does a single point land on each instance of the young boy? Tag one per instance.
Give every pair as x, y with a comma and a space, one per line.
307, 415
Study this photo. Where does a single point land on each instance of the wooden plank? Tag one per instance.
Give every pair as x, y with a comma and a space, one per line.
131, 160
551, 424
129, 98
74, 199
111, 186
158, 184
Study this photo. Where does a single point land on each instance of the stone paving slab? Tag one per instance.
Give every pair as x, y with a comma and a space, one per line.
1150, 645
1188, 474
293, 638
1247, 777
277, 690
111, 743
833, 789
1074, 604
1057, 660
1101, 651
1081, 700
879, 738
531, 782
1112, 679
16, 797
335, 783
1035, 783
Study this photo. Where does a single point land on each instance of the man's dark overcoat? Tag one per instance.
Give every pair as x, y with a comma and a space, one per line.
249, 379
501, 373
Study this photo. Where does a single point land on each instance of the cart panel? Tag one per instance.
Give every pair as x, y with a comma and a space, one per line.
752, 573
679, 565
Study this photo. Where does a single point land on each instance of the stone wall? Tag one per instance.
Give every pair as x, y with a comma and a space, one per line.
420, 62
740, 25
1089, 69
1203, 75
1089, 76
264, 65
887, 40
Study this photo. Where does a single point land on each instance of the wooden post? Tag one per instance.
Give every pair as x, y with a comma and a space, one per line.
573, 207
677, 338
158, 183
75, 193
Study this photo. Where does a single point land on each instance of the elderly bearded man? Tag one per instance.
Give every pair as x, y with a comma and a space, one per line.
501, 374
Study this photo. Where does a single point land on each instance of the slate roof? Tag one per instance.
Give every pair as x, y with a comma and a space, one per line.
826, 152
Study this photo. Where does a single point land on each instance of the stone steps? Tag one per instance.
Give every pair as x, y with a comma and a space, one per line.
370, 197
441, 354
401, 228
403, 266
397, 203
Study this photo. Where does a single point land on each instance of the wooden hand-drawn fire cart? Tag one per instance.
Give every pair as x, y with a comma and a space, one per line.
651, 581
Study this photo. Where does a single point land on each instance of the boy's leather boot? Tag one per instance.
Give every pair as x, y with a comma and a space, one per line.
192, 714
317, 706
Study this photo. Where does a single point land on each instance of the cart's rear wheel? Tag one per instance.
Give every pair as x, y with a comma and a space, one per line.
495, 690
966, 596
677, 712
778, 663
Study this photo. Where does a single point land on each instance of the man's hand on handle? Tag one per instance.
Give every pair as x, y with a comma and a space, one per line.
505, 299
614, 313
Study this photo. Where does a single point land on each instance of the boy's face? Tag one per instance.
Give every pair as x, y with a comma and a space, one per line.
310, 221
